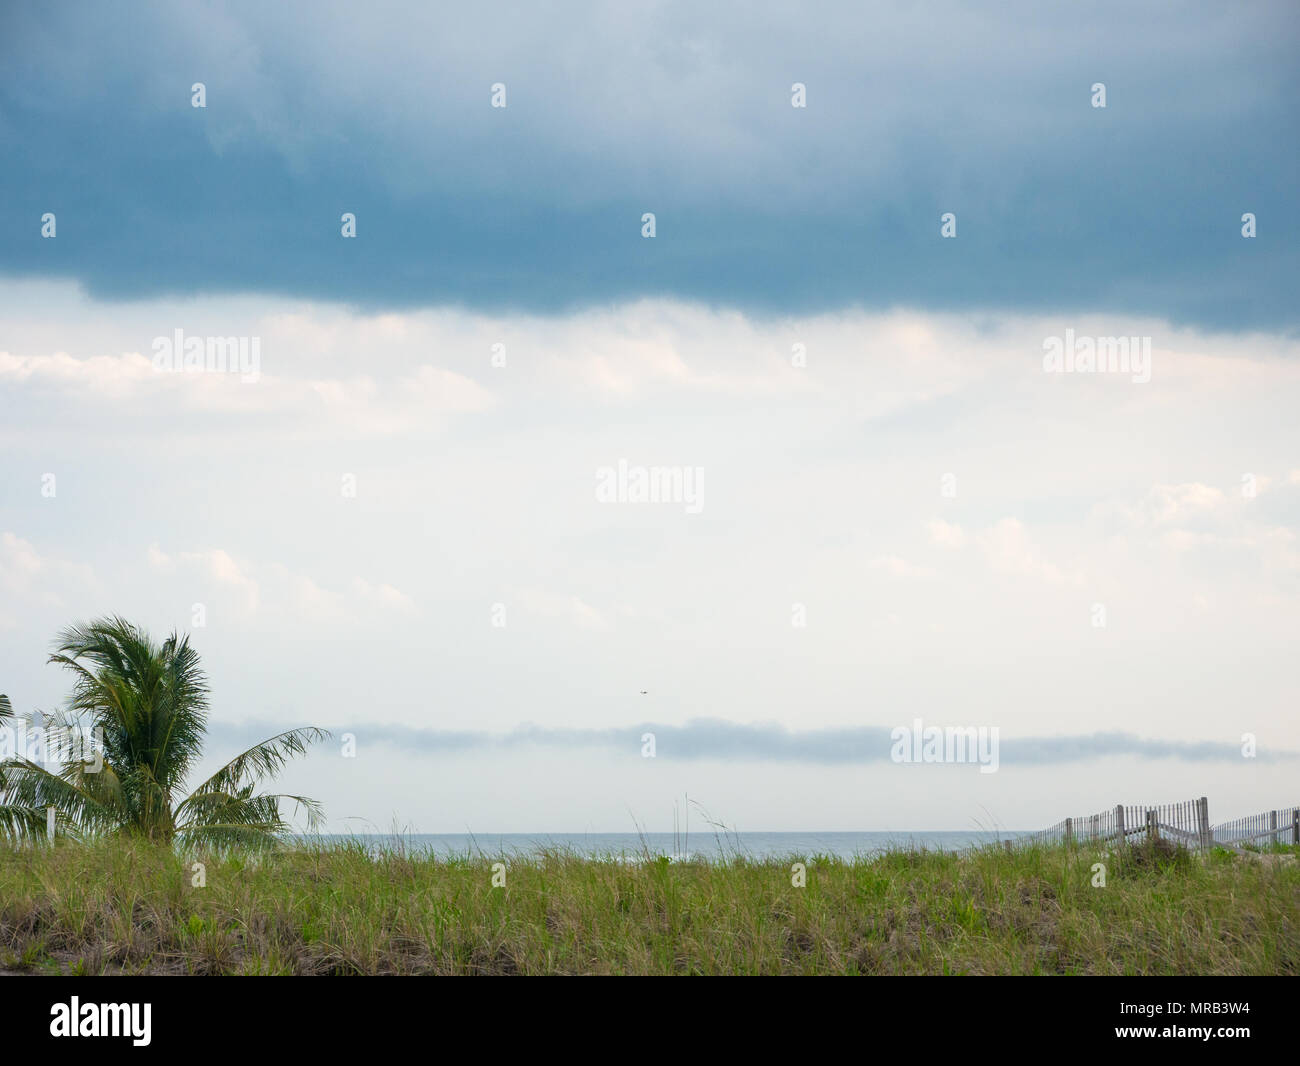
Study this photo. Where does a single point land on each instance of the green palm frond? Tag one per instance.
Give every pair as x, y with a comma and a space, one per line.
212, 808
260, 761
18, 821
32, 790
21, 823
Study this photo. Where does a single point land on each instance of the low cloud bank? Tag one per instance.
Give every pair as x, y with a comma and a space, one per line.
707, 738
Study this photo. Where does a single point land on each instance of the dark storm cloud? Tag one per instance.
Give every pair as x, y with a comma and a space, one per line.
615, 110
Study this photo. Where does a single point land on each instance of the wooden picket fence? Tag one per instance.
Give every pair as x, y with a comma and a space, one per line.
1270, 827
1185, 823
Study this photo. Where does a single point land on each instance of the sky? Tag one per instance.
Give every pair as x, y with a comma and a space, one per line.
412, 515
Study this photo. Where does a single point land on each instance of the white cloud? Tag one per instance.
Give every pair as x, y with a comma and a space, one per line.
281, 590
113, 375
214, 564
900, 568
570, 609
30, 578
1171, 503
946, 534
382, 595
434, 389
1008, 547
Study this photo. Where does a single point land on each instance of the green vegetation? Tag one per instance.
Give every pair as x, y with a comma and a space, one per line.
149, 704
128, 905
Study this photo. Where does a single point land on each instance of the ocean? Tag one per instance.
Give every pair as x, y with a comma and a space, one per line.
705, 845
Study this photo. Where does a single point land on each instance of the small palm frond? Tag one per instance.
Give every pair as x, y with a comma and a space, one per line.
29, 787
257, 763
21, 823
213, 808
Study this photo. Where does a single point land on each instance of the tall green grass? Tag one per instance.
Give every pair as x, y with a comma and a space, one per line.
119, 906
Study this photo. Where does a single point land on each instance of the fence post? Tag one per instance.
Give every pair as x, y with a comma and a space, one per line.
1007, 844
1203, 835
1295, 826
1069, 830
1153, 830
1119, 821
1272, 827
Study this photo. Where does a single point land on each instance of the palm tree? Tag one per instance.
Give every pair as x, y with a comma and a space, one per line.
147, 705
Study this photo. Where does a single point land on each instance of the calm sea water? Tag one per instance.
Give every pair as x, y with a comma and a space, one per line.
700, 845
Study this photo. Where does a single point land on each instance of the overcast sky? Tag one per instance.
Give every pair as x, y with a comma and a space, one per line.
895, 511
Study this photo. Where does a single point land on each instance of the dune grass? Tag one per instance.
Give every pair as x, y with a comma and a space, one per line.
121, 906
